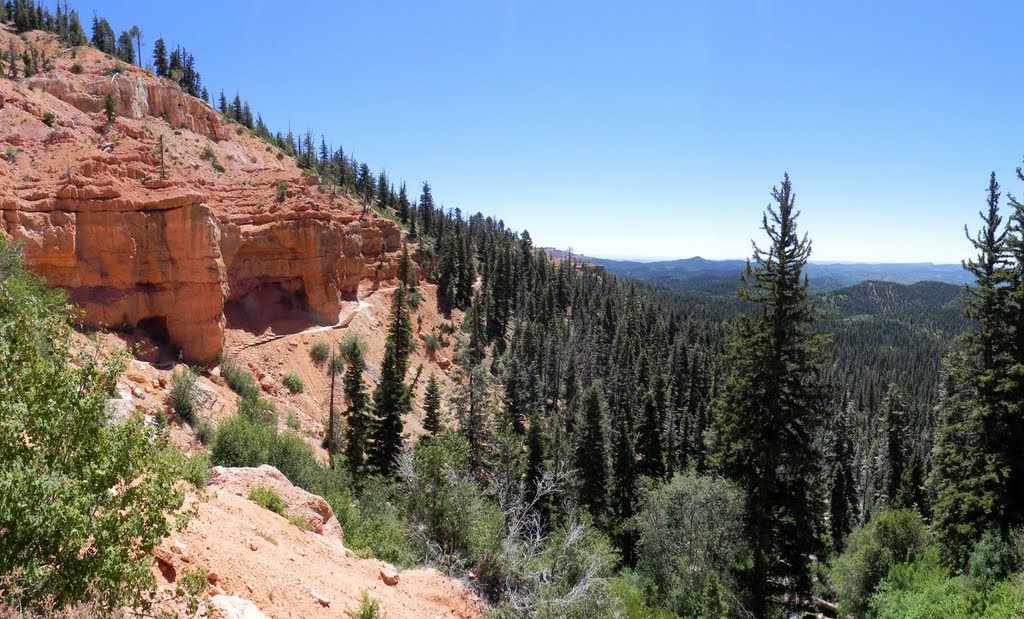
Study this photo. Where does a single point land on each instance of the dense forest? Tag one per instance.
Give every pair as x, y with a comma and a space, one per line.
611, 447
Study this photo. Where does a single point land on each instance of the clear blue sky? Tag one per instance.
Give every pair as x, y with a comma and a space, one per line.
644, 128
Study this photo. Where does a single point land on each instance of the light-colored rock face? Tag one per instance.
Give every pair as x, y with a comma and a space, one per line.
312, 509
166, 241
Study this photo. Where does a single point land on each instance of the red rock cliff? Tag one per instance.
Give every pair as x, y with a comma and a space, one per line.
167, 241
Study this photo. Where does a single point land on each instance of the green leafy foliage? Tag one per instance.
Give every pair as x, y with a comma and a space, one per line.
892, 537
319, 352
238, 379
293, 382
267, 498
85, 500
690, 535
184, 396
369, 608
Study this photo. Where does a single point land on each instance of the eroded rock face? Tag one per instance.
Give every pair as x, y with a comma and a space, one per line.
313, 509
135, 221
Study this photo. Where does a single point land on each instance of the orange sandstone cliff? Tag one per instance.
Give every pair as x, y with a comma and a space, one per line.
174, 240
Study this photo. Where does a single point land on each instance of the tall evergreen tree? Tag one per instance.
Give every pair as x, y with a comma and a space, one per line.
358, 417
391, 398
160, 58
432, 406
972, 461
591, 454
649, 440
770, 407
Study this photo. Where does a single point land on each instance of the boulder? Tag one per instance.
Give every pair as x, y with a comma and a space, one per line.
313, 509
234, 607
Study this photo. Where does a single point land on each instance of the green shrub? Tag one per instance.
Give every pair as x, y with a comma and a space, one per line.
689, 533
267, 498
293, 422
374, 523
49, 118
351, 346
923, 590
995, 557
369, 608
319, 352
890, 538
240, 441
432, 342
298, 522
184, 395
67, 539
193, 469
208, 153
203, 431
192, 588
282, 190
293, 382
415, 297
77, 68
238, 379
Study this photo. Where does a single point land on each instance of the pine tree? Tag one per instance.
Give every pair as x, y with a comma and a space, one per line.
358, 416
222, 104
406, 269
432, 406
649, 440
160, 58
624, 490
972, 458
772, 402
109, 108
591, 454
126, 48
391, 398
403, 204
135, 33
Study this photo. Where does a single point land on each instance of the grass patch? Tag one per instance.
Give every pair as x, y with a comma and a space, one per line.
319, 352
238, 379
298, 522
267, 498
369, 608
293, 382
267, 536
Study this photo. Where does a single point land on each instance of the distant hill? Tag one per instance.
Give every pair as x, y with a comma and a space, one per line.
722, 275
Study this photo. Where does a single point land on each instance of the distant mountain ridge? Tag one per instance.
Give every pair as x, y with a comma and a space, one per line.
720, 275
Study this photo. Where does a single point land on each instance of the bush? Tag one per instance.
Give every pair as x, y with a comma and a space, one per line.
351, 346
995, 557
432, 342
373, 522
67, 539
415, 297
293, 382
319, 352
208, 153
240, 441
267, 498
77, 68
890, 538
923, 589
369, 608
185, 394
689, 532
49, 118
282, 191
238, 379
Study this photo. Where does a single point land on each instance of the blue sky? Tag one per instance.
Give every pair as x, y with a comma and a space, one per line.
644, 128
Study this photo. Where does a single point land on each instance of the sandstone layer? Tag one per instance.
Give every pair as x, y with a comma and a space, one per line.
168, 219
